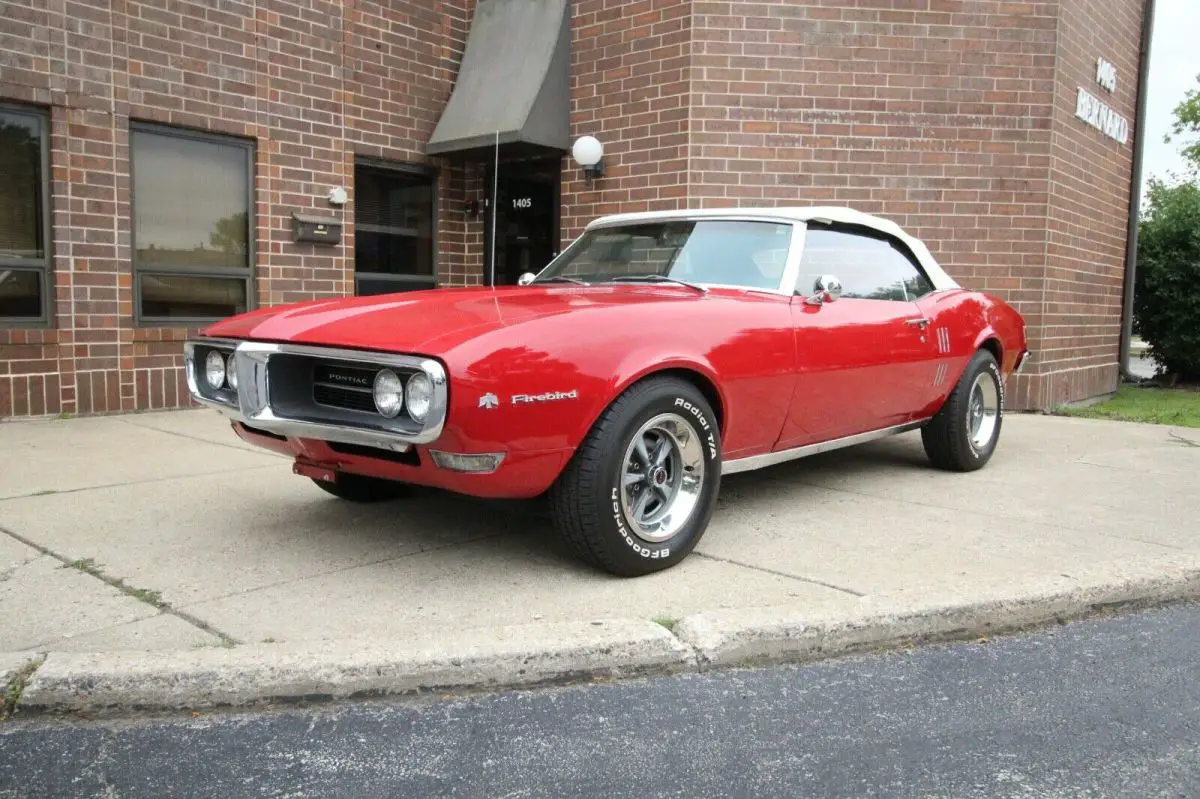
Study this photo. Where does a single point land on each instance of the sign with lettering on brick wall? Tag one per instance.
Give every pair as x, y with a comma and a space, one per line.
1096, 112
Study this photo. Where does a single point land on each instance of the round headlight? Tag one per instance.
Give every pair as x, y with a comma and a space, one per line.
214, 370
389, 393
420, 396
231, 371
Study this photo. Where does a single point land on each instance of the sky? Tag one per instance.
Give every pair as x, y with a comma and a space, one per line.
1174, 65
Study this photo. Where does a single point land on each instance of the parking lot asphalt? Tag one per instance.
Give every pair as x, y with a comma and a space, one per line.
161, 538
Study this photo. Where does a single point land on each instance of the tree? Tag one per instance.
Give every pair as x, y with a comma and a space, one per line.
1167, 290
230, 237
1187, 120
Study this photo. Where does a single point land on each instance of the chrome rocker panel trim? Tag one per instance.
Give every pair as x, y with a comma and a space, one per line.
254, 402
783, 456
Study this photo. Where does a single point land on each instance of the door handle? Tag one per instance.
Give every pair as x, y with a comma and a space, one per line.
917, 322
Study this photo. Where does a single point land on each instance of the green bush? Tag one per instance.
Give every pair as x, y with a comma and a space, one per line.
1167, 287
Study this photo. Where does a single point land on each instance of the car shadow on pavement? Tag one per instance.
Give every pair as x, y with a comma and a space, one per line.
433, 519
515, 540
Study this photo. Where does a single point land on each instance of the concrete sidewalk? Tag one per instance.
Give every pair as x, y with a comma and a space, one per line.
155, 560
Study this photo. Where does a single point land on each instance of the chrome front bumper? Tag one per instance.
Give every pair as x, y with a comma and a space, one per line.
252, 404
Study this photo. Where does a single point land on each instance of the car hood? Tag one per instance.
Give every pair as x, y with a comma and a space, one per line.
429, 322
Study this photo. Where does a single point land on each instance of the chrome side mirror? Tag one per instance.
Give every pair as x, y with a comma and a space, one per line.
526, 279
827, 288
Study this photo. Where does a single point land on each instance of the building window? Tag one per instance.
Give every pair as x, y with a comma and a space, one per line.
193, 240
24, 217
394, 222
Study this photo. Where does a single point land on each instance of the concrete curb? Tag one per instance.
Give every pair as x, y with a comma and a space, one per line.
766, 635
528, 655
209, 678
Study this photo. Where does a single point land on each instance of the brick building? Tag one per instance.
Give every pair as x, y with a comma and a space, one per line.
156, 156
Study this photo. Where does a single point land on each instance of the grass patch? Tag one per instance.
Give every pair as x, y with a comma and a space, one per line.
1172, 406
88, 566
14, 689
222, 643
142, 594
666, 621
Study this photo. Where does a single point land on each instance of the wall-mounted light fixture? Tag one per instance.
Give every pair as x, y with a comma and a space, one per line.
474, 208
588, 152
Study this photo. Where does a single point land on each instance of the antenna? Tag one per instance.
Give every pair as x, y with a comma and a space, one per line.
495, 202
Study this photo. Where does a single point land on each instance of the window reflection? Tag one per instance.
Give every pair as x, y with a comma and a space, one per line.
393, 229
185, 296
715, 252
191, 201
20, 293
869, 267
23, 234
191, 216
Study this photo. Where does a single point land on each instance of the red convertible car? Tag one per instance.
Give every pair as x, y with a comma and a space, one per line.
656, 353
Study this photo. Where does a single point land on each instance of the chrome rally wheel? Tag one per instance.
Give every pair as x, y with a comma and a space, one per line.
983, 411
662, 477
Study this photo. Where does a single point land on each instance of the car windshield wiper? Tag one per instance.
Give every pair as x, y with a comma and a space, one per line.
563, 277
657, 279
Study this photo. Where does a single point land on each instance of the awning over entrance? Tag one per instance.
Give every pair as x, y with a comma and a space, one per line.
515, 79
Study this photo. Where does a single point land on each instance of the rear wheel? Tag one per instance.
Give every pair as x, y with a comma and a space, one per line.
359, 488
963, 434
638, 494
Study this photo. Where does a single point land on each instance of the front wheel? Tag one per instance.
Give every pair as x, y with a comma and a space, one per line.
638, 494
963, 434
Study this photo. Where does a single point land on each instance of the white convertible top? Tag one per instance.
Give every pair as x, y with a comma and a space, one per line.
815, 213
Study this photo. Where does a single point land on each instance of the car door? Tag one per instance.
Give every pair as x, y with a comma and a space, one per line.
946, 329
864, 358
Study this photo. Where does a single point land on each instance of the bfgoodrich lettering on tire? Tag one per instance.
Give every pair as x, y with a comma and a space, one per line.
963, 434
640, 490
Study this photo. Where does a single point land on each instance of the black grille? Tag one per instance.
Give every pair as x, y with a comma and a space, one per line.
347, 398
343, 386
332, 391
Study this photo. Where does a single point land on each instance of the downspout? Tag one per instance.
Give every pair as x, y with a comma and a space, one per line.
1135, 193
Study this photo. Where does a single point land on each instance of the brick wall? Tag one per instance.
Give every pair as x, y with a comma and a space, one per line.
935, 114
957, 120
1089, 206
314, 82
630, 75
953, 117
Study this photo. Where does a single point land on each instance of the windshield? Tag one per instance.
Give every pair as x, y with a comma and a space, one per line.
713, 252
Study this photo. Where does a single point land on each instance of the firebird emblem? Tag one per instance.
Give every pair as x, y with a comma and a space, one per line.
552, 396
489, 401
